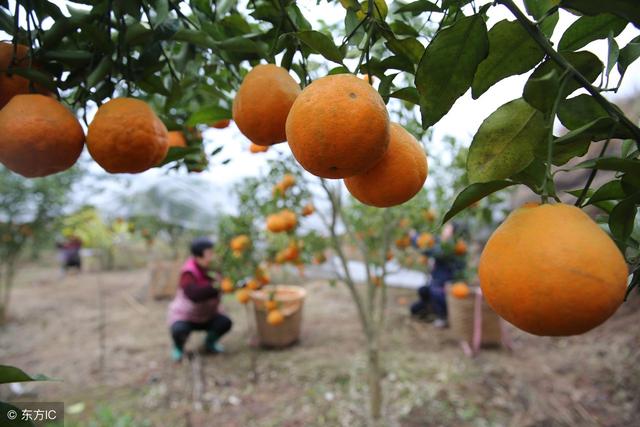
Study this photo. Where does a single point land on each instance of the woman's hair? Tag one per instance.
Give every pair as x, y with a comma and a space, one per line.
199, 245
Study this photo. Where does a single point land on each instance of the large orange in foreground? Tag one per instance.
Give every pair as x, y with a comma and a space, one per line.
262, 104
40, 136
550, 270
126, 136
338, 127
397, 177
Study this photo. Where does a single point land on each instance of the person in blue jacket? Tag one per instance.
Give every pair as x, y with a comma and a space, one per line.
446, 267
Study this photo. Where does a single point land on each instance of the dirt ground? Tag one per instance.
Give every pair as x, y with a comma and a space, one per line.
55, 329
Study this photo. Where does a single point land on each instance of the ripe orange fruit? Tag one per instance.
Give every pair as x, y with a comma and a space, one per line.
226, 285
221, 124
460, 290
276, 223
404, 223
291, 252
551, 270
338, 127
176, 139
240, 242
403, 242
255, 148
460, 248
290, 219
126, 136
12, 85
262, 104
425, 240
397, 177
253, 284
275, 318
40, 136
288, 181
243, 296
308, 209
429, 215
271, 305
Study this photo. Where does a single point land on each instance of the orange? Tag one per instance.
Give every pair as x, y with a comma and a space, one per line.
403, 242
389, 256
288, 181
276, 223
126, 136
423, 259
253, 284
221, 124
404, 223
429, 215
460, 248
291, 252
177, 139
551, 270
290, 219
40, 136
319, 258
425, 241
226, 285
271, 305
460, 290
240, 243
398, 177
255, 148
275, 318
308, 209
243, 296
12, 85
262, 104
338, 127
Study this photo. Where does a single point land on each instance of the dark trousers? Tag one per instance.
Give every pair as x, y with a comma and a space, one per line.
216, 328
431, 299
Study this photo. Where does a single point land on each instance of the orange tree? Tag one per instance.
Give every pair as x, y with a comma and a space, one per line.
29, 211
188, 58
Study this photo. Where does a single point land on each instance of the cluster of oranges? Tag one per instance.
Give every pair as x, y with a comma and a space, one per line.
239, 244
337, 127
282, 221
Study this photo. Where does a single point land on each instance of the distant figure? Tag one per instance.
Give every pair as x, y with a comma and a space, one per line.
447, 265
195, 306
69, 252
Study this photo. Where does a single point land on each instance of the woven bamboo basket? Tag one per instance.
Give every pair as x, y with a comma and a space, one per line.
464, 314
163, 278
291, 301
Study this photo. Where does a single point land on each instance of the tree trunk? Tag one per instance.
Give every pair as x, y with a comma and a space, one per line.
375, 383
7, 283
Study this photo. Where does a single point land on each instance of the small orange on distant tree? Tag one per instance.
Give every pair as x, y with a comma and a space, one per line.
240, 242
253, 284
255, 148
243, 296
308, 209
460, 290
226, 285
425, 241
176, 139
460, 247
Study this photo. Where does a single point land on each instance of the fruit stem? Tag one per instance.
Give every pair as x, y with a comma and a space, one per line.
544, 43
551, 118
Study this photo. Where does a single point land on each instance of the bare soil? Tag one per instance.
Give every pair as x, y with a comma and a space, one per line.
56, 328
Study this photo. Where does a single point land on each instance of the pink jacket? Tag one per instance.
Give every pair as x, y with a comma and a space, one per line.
182, 308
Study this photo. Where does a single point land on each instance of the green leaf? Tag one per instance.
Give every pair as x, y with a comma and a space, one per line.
612, 190
589, 28
592, 131
409, 48
566, 150
409, 94
18, 422
579, 110
511, 51
506, 142
138, 34
100, 72
627, 9
322, 44
448, 65
533, 176
622, 217
36, 76
11, 374
540, 91
417, 7
613, 52
586, 63
403, 29
538, 8
208, 115
472, 194
177, 153
549, 24
628, 54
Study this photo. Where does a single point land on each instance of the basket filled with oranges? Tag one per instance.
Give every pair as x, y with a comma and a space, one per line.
278, 311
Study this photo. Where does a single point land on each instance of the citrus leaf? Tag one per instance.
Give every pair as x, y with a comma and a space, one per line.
448, 65
472, 194
533, 176
540, 91
208, 115
566, 150
505, 142
613, 52
612, 190
511, 51
627, 9
589, 28
322, 44
586, 63
409, 94
177, 153
11, 374
628, 54
622, 217
36, 76
417, 7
